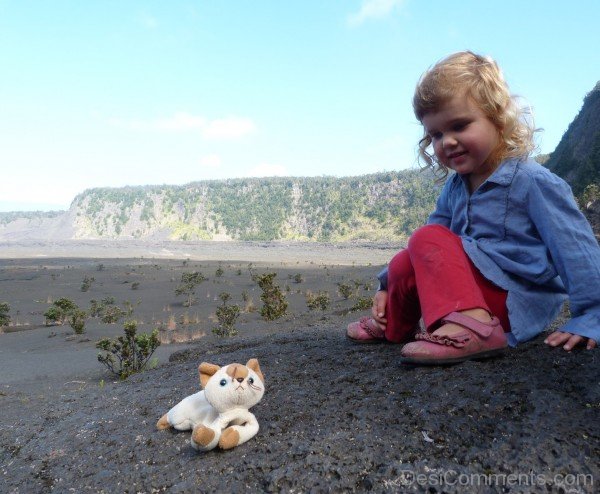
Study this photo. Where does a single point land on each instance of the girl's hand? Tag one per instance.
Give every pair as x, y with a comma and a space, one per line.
569, 340
378, 309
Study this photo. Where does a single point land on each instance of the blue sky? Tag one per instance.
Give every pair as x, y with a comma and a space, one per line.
130, 92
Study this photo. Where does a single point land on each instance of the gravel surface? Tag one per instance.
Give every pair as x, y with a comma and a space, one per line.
336, 417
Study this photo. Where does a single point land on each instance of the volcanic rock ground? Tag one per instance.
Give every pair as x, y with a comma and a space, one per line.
336, 416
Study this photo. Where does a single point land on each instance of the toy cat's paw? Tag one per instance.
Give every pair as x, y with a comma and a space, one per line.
230, 438
163, 423
203, 438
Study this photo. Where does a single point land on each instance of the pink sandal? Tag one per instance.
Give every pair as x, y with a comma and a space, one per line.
478, 340
366, 330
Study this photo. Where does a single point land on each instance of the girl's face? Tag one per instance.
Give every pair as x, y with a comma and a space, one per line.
463, 138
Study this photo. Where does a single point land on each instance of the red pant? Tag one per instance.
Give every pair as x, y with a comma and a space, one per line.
433, 277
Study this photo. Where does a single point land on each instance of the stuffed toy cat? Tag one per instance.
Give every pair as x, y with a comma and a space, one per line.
218, 415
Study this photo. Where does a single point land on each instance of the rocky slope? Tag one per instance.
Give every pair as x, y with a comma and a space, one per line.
577, 156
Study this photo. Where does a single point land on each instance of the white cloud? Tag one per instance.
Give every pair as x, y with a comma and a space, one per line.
210, 161
217, 129
373, 9
267, 170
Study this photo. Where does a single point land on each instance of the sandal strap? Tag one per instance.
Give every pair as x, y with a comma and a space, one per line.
483, 329
374, 332
458, 341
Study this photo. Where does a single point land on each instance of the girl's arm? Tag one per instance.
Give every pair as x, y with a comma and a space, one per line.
575, 253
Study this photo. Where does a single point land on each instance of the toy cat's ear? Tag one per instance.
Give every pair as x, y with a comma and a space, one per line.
206, 371
253, 364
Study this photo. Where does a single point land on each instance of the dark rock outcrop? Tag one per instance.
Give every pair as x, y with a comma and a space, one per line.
577, 156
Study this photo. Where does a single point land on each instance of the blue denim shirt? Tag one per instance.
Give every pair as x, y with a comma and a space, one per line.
524, 232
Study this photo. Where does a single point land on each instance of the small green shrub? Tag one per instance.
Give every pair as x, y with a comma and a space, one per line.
345, 290
59, 311
274, 302
95, 308
189, 282
4, 316
87, 283
319, 300
65, 305
53, 316
298, 278
77, 320
362, 303
107, 311
135, 285
128, 308
227, 316
112, 314
589, 195
219, 272
130, 353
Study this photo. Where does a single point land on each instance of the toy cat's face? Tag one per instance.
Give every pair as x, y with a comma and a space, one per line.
232, 386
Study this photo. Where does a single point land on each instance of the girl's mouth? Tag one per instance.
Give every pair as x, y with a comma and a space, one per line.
456, 155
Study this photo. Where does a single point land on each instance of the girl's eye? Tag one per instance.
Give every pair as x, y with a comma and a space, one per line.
223, 382
435, 136
251, 380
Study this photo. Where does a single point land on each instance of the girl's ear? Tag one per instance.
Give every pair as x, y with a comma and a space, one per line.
206, 371
253, 364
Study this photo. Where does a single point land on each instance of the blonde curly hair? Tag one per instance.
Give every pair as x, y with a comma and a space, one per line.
481, 79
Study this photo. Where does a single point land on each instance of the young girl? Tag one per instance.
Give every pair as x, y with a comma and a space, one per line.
506, 243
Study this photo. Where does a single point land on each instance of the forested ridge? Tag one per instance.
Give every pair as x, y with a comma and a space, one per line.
386, 205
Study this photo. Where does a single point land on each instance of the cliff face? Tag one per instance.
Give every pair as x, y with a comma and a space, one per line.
577, 156
383, 206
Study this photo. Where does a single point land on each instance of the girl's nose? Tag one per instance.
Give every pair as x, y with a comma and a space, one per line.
449, 141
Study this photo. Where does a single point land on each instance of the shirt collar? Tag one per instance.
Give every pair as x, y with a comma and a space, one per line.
503, 175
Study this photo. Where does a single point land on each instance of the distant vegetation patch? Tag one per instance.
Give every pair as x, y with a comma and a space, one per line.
8, 217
